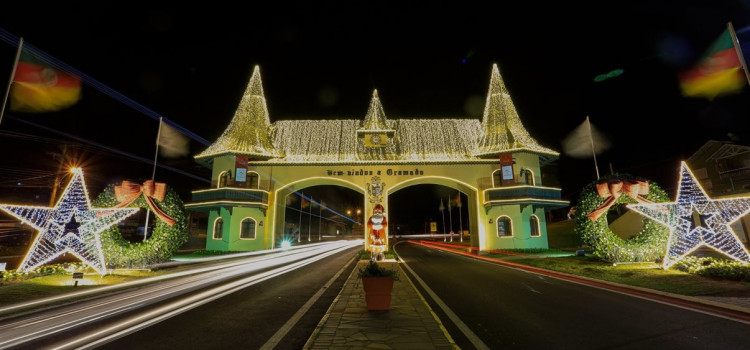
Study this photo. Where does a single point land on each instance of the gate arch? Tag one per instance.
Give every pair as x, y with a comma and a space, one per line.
371, 153
471, 192
279, 199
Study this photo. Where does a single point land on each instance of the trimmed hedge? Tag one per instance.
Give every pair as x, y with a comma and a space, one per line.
713, 267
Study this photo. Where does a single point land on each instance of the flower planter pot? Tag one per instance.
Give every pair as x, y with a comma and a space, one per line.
378, 292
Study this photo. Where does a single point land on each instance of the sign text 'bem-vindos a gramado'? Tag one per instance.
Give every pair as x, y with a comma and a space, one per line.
388, 172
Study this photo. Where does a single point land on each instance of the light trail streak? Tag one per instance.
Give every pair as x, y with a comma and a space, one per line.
86, 313
178, 307
75, 295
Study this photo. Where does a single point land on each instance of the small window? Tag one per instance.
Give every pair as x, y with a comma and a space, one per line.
247, 229
534, 223
504, 228
218, 228
497, 178
252, 179
529, 177
224, 179
707, 184
701, 173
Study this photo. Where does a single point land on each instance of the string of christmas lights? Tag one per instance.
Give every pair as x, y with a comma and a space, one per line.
71, 226
502, 129
695, 220
250, 130
338, 140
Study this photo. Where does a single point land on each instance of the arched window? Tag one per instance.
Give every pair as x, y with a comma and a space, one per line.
224, 179
252, 179
534, 224
504, 227
247, 228
529, 177
497, 178
218, 228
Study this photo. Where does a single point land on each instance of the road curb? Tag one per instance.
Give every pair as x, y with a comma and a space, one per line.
613, 286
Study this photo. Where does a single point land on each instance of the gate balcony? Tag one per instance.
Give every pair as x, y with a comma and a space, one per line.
238, 197
549, 197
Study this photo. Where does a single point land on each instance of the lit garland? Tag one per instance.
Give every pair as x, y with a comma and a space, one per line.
72, 226
646, 245
696, 220
337, 140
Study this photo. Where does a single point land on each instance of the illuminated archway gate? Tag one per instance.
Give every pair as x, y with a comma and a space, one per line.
496, 163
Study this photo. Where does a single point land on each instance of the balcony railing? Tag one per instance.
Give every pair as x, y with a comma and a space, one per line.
227, 194
521, 192
735, 173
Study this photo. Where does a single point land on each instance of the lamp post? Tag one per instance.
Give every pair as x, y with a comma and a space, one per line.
359, 212
349, 215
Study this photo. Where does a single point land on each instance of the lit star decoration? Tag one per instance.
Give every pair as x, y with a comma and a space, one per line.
71, 226
695, 220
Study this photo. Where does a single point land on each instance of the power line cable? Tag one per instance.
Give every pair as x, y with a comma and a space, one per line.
54, 62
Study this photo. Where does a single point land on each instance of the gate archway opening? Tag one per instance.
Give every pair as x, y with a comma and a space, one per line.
316, 211
432, 189
428, 211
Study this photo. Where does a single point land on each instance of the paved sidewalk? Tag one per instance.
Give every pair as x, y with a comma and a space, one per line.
734, 303
409, 324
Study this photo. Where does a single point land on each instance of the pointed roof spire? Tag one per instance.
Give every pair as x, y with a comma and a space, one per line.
255, 86
502, 130
249, 132
375, 119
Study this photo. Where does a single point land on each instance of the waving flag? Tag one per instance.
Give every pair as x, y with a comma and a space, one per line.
456, 201
172, 143
40, 88
719, 72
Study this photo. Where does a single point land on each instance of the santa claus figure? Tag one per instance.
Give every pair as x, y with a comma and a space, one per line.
376, 224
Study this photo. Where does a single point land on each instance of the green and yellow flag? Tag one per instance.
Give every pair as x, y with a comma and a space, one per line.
39, 88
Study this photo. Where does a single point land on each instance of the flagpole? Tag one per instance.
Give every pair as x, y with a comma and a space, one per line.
593, 151
460, 220
735, 43
450, 215
442, 212
10, 81
299, 233
153, 175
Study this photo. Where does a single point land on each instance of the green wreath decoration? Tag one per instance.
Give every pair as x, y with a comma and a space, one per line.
648, 245
164, 241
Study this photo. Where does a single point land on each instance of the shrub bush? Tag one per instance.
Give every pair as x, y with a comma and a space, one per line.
713, 267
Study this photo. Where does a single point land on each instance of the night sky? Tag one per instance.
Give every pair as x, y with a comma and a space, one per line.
321, 60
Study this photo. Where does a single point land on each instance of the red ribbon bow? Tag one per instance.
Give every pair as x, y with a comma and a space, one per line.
129, 191
613, 189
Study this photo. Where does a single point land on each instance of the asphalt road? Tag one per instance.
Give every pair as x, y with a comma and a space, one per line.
248, 318
250, 303
509, 308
